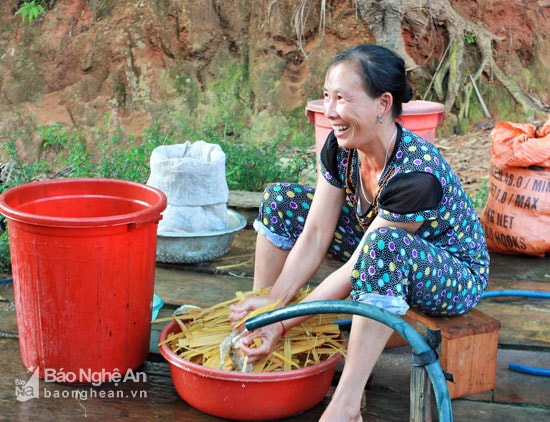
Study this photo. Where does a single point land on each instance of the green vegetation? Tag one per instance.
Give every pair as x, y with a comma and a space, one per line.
481, 195
31, 10
250, 163
259, 148
469, 37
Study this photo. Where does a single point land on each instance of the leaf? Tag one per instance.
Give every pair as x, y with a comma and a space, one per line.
30, 10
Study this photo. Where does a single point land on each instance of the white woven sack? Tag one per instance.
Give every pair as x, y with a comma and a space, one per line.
192, 175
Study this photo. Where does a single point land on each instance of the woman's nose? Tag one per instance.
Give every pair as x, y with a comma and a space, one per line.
330, 109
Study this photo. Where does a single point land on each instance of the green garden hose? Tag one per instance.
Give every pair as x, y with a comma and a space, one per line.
417, 342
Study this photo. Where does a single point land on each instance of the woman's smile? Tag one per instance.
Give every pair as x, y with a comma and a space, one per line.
339, 129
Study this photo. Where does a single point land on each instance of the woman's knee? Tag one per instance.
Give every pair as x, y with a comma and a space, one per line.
285, 200
284, 208
388, 241
386, 261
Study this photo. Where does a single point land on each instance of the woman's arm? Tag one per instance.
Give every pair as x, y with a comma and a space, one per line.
311, 247
300, 262
336, 286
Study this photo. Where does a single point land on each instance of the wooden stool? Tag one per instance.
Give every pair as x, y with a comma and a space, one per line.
469, 344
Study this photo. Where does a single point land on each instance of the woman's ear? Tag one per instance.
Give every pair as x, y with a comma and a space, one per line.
386, 103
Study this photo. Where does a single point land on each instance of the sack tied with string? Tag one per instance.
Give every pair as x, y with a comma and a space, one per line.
192, 175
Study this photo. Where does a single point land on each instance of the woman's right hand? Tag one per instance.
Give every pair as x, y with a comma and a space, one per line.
240, 310
268, 336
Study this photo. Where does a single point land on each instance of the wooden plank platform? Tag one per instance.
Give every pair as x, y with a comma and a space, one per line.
524, 338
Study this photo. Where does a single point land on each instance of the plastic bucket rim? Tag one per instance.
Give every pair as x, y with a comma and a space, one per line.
422, 107
150, 214
316, 106
413, 107
233, 376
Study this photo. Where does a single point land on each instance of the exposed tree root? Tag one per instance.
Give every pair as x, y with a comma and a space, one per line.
451, 81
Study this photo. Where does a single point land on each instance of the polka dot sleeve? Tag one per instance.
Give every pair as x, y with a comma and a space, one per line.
333, 161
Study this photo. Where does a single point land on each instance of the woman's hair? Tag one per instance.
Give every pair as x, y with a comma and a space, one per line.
381, 71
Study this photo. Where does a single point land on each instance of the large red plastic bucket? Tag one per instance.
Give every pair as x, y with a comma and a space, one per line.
421, 117
83, 262
315, 114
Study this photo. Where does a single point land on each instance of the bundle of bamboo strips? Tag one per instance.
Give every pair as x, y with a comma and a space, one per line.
207, 339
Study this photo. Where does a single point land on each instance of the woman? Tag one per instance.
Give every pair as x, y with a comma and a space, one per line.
388, 205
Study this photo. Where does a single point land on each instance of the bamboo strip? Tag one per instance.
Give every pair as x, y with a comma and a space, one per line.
203, 330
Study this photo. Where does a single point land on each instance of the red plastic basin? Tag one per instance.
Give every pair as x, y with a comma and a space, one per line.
247, 396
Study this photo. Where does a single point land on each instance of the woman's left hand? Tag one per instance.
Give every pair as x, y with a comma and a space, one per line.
239, 311
268, 335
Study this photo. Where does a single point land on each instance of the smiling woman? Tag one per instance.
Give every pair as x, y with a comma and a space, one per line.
386, 204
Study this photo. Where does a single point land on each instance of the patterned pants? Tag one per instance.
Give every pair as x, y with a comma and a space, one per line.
395, 269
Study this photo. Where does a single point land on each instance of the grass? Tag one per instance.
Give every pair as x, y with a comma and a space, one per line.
480, 197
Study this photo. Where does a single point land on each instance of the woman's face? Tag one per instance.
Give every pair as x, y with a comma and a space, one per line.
348, 107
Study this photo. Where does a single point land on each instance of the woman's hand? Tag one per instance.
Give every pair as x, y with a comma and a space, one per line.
268, 335
241, 310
